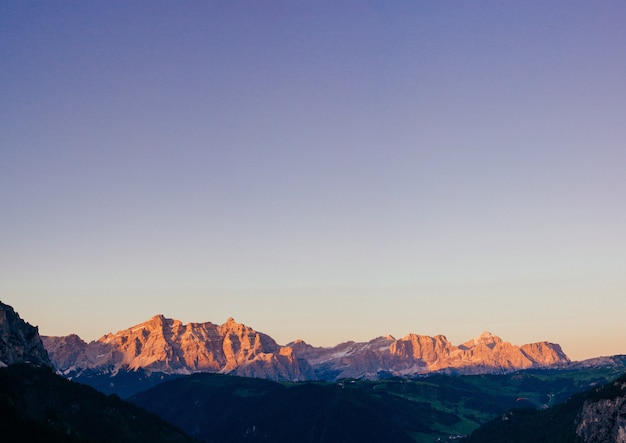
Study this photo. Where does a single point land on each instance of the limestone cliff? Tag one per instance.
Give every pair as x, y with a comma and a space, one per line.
19, 341
162, 345
171, 347
604, 420
421, 354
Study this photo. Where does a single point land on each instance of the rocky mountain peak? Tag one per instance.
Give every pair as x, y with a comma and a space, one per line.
19, 341
486, 336
485, 339
545, 352
172, 347
158, 320
169, 346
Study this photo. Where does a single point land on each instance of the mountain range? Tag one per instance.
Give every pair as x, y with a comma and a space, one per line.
166, 346
550, 403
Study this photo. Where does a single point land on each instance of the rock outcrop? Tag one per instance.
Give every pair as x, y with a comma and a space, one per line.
19, 341
604, 420
597, 415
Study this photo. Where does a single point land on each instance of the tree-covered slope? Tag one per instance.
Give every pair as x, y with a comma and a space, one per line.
37, 405
219, 408
594, 416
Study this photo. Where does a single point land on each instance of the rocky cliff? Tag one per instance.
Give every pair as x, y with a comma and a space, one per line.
604, 420
597, 415
19, 341
167, 346
421, 354
170, 347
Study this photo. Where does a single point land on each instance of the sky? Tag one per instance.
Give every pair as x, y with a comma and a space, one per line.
318, 170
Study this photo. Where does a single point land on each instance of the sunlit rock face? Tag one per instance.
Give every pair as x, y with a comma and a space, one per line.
19, 341
162, 345
422, 354
71, 352
171, 347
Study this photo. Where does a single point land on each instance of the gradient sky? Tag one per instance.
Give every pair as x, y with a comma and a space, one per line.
324, 170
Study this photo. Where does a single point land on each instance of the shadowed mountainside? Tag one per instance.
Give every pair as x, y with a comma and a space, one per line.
220, 408
37, 405
594, 416
19, 341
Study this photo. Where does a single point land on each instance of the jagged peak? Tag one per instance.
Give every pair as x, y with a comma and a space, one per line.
232, 325
439, 337
486, 338
486, 335
382, 337
156, 322
158, 319
167, 345
70, 337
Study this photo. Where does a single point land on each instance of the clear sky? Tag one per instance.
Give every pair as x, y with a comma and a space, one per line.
323, 170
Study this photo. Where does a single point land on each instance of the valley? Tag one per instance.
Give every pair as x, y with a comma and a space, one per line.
213, 407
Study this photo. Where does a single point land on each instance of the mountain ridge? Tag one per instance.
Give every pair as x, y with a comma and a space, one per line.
39, 405
417, 354
167, 346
